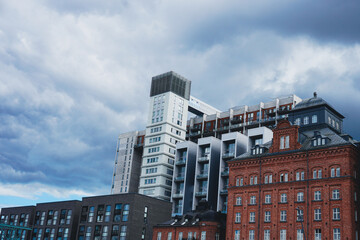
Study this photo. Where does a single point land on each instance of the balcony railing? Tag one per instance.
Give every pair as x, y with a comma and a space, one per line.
181, 161
224, 191
222, 128
201, 193
194, 129
228, 155
238, 125
236, 120
138, 145
178, 194
179, 178
225, 172
202, 175
204, 158
197, 133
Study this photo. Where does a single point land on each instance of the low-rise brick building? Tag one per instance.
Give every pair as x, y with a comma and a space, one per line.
200, 224
296, 182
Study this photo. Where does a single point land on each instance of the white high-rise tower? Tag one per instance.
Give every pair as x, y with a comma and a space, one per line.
166, 126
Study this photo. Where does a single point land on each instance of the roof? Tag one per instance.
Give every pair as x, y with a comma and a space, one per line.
305, 139
314, 102
194, 218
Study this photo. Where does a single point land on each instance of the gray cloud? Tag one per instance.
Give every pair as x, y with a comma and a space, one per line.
74, 75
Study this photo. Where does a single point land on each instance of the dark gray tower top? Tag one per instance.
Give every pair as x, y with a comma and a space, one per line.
170, 82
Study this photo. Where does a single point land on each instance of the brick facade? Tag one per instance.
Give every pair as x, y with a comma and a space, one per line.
324, 177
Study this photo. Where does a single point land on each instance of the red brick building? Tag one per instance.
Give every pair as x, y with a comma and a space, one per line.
310, 176
202, 224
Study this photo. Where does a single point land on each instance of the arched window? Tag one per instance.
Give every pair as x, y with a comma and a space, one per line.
306, 120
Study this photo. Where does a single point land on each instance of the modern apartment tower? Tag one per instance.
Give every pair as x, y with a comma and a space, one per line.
128, 162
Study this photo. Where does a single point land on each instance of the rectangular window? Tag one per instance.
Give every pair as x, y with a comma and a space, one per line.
180, 236
169, 236
126, 213
252, 217
283, 198
317, 195
237, 235
299, 234
251, 234
267, 216
336, 213
299, 215
300, 196
203, 235
282, 142
317, 214
283, 234
237, 217
158, 236
267, 198
253, 200
123, 232
238, 201
287, 142
267, 234
317, 234
336, 234
283, 216
335, 194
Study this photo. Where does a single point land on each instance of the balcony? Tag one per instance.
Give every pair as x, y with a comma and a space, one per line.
195, 128
201, 193
139, 145
179, 178
177, 210
178, 194
236, 120
209, 133
224, 191
222, 129
224, 208
228, 155
180, 161
204, 158
236, 126
195, 134
202, 175
225, 172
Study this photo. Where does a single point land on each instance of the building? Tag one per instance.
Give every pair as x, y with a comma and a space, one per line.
170, 102
128, 160
19, 217
109, 217
168, 124
121, 216
200, 224
305, 179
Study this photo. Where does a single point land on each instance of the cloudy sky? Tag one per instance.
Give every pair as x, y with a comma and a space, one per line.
74, 74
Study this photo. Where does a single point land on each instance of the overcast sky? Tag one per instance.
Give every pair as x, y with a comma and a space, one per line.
75, 74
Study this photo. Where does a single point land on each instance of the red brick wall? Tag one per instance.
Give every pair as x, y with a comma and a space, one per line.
345, 157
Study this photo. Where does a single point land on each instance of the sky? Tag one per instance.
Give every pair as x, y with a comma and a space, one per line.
75, 74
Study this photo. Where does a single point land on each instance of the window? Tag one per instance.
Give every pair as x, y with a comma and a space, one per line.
317, 234
180, 236
267, 216
300, 175
252, 217
238, 201
123, 232
283, 216
267, 234
253, 200
297, 121
237, 217
282, 142
107, 213
284, 177
317, 214
253, 180
158, 236
169, 236
287, 142
299, 234
317, 173
283, 234
126, 212
268, 178
299, 214
336, 213
283, 198
237, 235
190, 235
300, 196
268, 198
336, 234
306, 120
203, 235
251, 234
314, 119
317, 195
335, 172
356, 216
91, 214
335, 194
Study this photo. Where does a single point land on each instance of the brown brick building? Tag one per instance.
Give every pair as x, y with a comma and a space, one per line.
310, 175
204, 224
